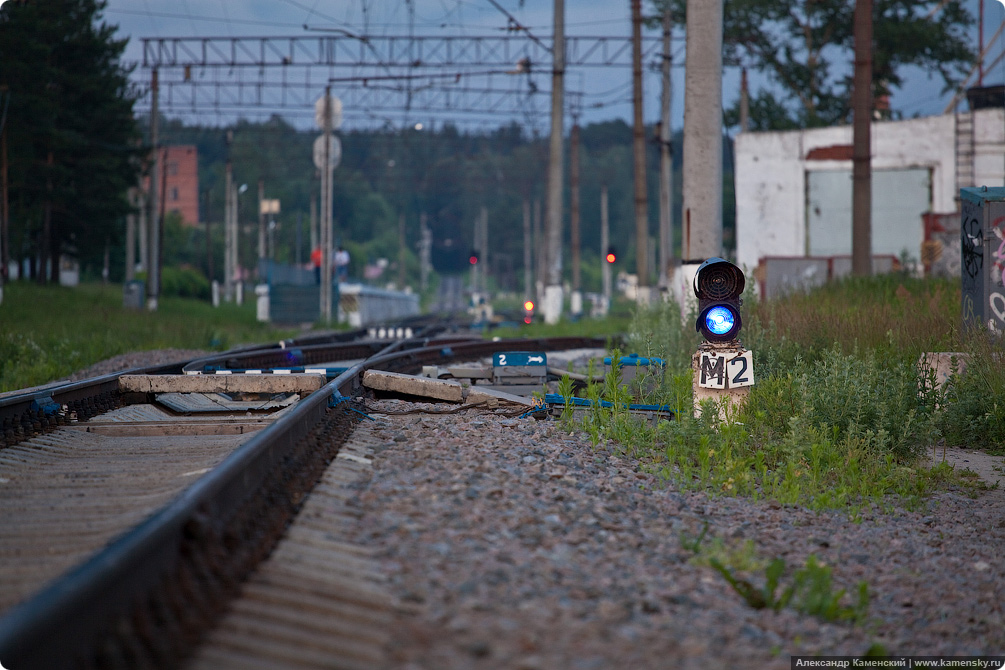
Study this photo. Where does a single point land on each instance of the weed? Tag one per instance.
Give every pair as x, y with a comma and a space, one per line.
565, 390
739, 557
87, 324
840, 414
974, 410
694, 544
810, 591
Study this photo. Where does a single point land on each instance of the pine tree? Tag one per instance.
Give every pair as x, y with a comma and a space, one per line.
73, 138
805, 48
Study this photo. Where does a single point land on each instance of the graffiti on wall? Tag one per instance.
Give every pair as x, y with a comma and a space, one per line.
996, 294
972, 263
972, 243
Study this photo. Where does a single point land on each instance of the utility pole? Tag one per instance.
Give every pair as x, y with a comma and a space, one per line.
153, 239
528, 268
553, 225
539, 250
577, 295
314, 223
401, 250
262, 253
980, 44
326, 213
666, 161
299, 239
48, 264
639, 154
131, 235
4, 199
424, 252
861, 226
142, 226
605, 241
483, 254
702, 177
209, 239
161, 215
744, 101
229, 239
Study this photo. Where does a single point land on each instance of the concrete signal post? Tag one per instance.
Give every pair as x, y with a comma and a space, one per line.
723, 369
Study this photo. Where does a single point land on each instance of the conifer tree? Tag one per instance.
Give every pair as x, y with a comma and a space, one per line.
72, 137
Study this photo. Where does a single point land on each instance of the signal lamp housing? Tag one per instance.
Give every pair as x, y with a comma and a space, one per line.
718, 285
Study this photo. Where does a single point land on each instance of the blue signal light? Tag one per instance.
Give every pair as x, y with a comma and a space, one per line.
720, 320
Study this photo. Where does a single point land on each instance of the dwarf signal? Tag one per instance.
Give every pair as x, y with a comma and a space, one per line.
718, 285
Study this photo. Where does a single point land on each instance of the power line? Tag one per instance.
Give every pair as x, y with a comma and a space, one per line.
196, 17
302, 6
515, 25
436, 75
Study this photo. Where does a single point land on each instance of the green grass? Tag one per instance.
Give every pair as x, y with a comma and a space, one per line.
49, 332
616, 323
835, 419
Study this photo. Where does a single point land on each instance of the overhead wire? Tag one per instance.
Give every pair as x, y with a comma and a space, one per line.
529, 90
311, 11
197, 17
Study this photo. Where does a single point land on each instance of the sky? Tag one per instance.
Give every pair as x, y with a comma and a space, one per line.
606, 91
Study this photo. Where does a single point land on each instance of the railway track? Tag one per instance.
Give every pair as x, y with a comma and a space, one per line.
141, 502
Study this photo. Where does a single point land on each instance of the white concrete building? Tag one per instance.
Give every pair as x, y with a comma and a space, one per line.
794, 188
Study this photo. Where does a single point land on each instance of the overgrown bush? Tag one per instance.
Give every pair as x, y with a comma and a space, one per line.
184, 282
973, 403
835, 419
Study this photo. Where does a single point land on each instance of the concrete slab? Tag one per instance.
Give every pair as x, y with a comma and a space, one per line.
295, 383
470, 371
494, 398
194, 403
514, 389
939, 366
439, 389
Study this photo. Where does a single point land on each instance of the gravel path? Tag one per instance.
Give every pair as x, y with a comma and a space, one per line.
508, 543
138, 359
511, 544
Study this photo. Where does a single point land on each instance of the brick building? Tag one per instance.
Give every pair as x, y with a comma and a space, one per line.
179, 173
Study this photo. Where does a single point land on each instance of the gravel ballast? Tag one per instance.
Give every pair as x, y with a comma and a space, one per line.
510, 543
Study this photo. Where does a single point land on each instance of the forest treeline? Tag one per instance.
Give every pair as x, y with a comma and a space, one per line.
444, 173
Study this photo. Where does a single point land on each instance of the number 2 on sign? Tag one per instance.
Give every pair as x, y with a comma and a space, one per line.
719, 371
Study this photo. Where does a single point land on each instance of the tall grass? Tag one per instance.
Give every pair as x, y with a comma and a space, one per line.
49, 332
836, 417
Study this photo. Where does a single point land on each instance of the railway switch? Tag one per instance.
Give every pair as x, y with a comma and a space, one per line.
520, 370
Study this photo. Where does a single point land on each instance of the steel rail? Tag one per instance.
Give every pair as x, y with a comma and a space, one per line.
151, 582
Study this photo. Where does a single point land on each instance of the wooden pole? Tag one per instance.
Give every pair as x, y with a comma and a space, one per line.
639, 156
861, 227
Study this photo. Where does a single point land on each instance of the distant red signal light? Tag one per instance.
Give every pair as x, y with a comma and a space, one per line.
611, 258
611, 255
